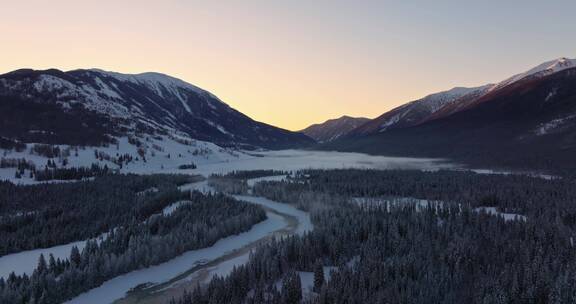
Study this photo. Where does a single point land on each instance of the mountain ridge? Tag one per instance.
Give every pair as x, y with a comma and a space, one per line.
527, 124
333, 129
415, 112
124, 103
442, 104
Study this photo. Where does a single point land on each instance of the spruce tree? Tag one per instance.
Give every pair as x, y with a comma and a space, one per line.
75, 257
42, 266
291, 289
318, 277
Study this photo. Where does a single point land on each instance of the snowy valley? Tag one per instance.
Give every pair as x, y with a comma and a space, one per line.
145, 189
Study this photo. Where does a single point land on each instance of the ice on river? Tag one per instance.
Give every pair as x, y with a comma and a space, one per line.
304, 222
117, 287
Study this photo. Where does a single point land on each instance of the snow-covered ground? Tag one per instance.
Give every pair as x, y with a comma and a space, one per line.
553, 125
117, 287
289, 160
168, 210
370, 202
26, 261
275, 178
506, 216
307, 279
165, 154
198, 186
225, 268
503, 172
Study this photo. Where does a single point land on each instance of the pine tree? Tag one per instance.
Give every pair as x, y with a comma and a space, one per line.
318, 277
52, 266
42, 267
291, 289
75, 257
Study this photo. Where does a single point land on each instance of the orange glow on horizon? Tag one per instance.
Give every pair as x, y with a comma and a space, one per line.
284, 64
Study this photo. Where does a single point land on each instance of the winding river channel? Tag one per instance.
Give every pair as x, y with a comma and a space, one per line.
159, 283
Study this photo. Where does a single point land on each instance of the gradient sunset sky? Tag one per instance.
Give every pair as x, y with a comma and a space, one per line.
294, 63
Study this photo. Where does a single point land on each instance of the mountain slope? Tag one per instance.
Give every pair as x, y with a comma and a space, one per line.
541, 70
91, 106
418, 111
333, 129
527, 123
446, 103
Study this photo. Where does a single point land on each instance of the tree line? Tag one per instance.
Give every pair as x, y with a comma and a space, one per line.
138, 244
45, 215
398, 253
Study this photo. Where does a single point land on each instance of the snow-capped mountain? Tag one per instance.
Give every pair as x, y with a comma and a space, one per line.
541, 70
446, 103
527, 121
91, 106
333, 129
418, 111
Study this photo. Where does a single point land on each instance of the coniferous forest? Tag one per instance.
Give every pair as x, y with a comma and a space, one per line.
446, 251
288, 152
135, 233
45, 215
396, 236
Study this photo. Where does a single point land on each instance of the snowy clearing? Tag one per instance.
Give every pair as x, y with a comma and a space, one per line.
307, 278
506, 216
290, 160
198, 186
26, 261
168, 210
372, 202
274, 178
307, 281
165, 154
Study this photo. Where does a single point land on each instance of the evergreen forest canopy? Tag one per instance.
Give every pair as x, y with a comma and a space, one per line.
446, 252
141, 237
397, 236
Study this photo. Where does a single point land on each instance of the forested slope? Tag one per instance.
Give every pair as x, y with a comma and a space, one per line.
447, 252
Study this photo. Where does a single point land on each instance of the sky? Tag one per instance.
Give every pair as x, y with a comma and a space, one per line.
294, 63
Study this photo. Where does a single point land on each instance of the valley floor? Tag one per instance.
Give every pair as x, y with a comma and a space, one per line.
159, 283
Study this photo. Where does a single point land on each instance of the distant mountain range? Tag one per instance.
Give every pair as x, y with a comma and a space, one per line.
526, 121
333, 129
91, 107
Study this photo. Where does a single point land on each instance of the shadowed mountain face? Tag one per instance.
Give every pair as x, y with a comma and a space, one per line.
446, 103
527, 123
333, 129
418, 111
90, 106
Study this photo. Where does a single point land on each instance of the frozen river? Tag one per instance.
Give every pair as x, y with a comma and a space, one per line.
277, 220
